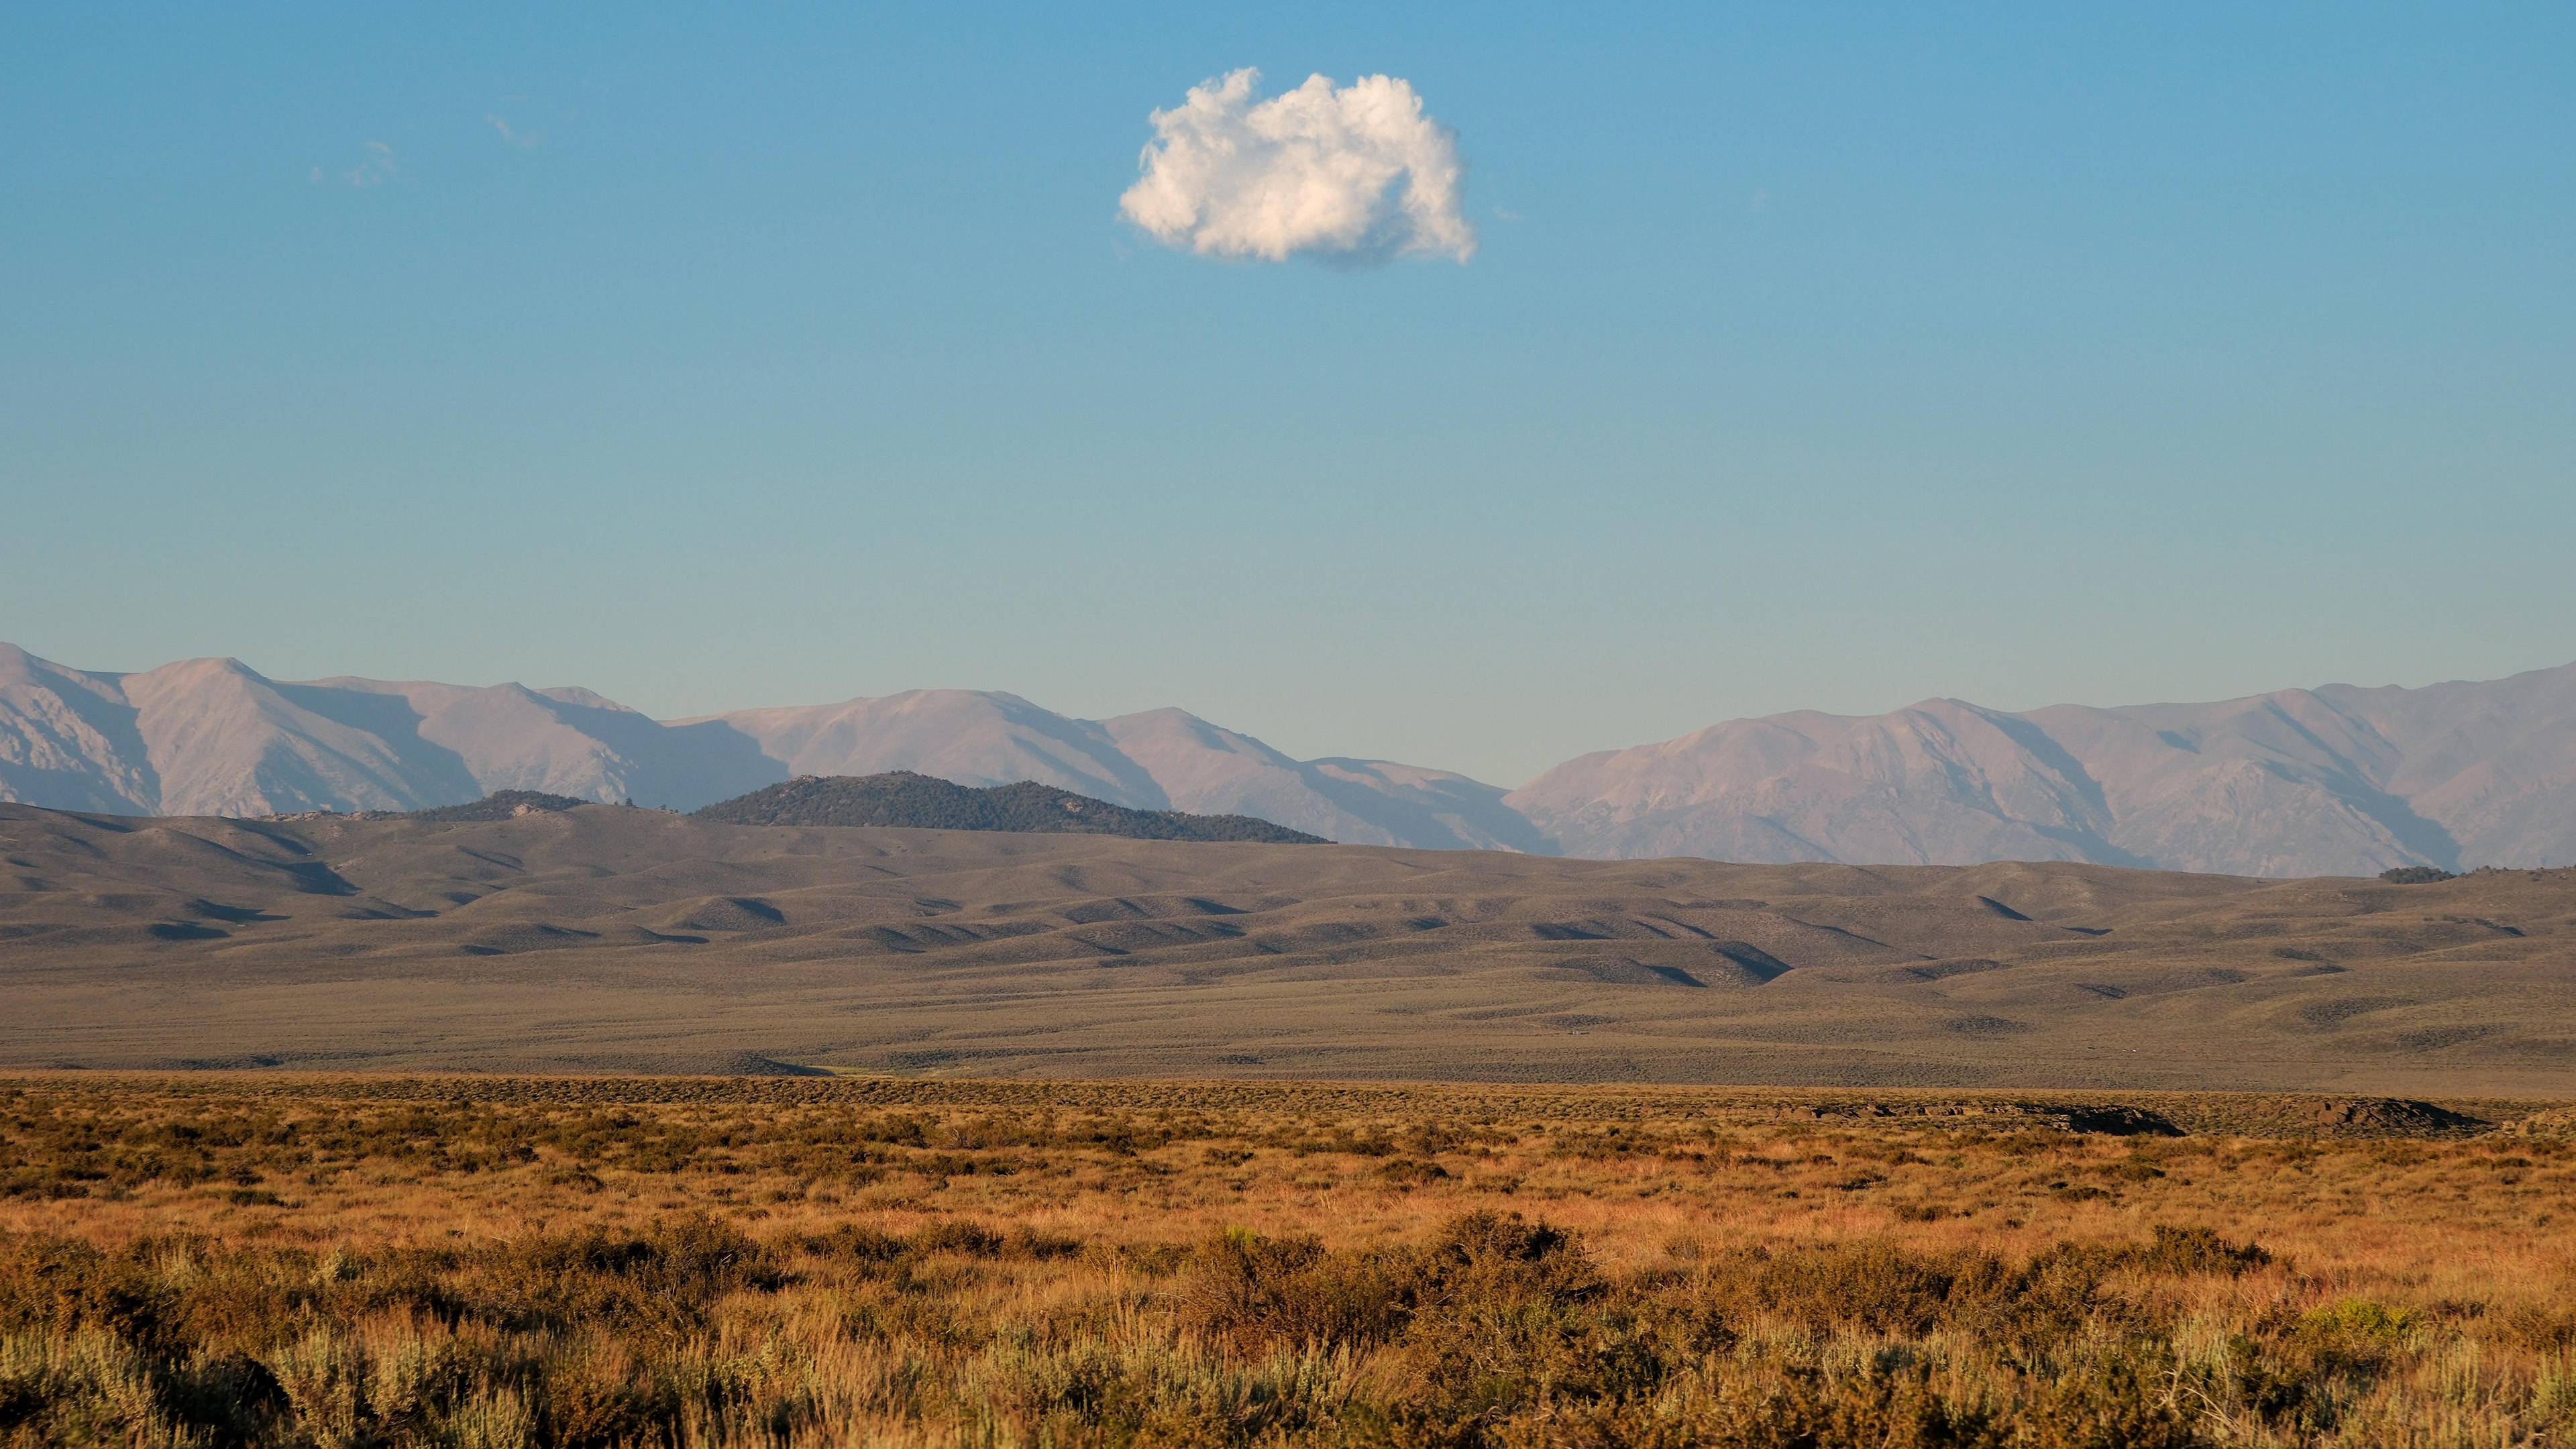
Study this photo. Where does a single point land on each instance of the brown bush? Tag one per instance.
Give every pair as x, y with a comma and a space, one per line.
2197, 1250
1258, 1292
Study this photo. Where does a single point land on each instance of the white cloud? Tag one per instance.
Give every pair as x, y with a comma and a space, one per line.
1357, 173
514, 137
375, 169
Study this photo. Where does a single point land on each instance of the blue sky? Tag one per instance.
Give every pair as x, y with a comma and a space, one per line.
1812, 357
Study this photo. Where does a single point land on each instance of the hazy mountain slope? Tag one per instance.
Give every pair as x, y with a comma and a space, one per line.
1209, 770
2494, 764
1471, 811
2332, 781
566, 742
973, 737
2279, 784
213, 736
1165, 759
226, 740
68, 739
2238, 789
1940, 783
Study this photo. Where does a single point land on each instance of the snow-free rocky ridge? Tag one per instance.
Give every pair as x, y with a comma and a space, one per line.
2336, 780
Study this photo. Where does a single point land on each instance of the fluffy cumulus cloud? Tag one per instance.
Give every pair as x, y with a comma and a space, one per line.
1354, 173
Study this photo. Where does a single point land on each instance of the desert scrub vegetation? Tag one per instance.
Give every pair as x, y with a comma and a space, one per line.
257, 1261
1496, 1329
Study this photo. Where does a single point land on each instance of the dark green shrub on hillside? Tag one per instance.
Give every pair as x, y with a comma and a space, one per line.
499, 805
905, 800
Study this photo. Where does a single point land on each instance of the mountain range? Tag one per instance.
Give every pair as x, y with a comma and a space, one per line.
2335, 780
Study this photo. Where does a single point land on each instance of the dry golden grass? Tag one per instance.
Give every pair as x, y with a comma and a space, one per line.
517, 1261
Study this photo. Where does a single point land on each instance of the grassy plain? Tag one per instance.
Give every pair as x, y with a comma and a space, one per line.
218, 1259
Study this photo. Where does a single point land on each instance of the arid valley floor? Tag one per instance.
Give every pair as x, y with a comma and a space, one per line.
313, 1134
609, 939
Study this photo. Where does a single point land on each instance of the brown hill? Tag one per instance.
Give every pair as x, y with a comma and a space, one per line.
608, 938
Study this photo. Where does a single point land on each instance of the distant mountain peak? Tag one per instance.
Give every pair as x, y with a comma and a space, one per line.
2331, 780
